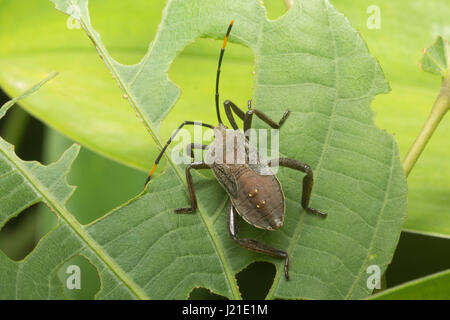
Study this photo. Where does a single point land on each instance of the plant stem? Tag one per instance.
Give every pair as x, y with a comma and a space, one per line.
440, 108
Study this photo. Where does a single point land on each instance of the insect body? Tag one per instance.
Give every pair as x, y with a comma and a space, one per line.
254, 190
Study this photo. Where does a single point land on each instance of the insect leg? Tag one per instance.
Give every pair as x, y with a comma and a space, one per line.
231, 106
190, 183
190, 148
248, 116
308, 181
254, 245
263, 117
169, 141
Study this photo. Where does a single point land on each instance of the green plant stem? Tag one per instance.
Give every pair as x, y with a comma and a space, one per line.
440, 108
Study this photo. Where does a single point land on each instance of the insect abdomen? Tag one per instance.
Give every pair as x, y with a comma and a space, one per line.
260, 199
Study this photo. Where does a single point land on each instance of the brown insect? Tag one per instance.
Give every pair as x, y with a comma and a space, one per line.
254, 190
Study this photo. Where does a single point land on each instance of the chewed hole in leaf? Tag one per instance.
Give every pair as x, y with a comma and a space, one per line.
204, 294
20, 235
23, 131
274, 9
96, 177
79, 278
255, 281
194, 71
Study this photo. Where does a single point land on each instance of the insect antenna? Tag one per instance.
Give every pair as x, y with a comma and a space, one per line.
169, 141
218, 69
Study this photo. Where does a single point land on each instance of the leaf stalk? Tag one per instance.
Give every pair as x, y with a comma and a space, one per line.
440, 108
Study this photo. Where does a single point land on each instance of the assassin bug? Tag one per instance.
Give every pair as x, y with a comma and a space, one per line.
255, 195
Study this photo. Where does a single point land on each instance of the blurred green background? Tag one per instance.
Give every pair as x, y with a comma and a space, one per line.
84, 104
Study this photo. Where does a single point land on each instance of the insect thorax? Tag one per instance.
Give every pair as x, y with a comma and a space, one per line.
231, 148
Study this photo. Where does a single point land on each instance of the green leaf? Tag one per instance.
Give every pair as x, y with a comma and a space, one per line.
432, 287
436, 59
84, 104
327, 78
177, 253
93, 174
24, 183
398, 45
89, 109
94, 112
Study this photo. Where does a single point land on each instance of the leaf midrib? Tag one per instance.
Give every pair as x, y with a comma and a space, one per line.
300, 223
